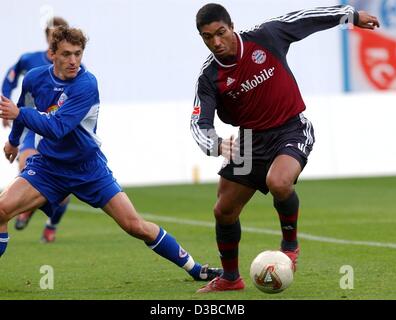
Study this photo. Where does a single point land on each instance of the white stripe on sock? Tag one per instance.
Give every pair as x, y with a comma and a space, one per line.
5, 240
189, 264
159, 241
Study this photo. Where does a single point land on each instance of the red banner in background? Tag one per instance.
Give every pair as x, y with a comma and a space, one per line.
377, 55
370, 56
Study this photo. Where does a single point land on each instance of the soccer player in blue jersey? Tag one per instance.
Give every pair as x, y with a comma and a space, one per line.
61, 104
247, 81
27, 148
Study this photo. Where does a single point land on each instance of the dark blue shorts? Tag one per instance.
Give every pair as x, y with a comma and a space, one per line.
90, 181
294, 138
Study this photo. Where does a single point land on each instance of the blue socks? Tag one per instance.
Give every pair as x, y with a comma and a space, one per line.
3, 242
58, 212
166, 246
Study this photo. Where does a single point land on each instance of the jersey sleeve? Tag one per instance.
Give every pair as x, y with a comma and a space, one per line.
202, 118
17, 126
56, 125
10, 81
298, 25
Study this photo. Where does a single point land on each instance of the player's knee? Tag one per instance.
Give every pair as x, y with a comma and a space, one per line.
218, 212
279, 186
223, 212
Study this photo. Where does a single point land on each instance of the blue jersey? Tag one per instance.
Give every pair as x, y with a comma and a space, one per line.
64, 113
25, 63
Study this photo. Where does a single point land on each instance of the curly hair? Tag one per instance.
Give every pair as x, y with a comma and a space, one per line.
71, 35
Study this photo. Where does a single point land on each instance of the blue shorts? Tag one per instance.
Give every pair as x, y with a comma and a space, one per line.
29, 140
91, 181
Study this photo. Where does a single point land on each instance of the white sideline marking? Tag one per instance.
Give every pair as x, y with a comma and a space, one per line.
301, 235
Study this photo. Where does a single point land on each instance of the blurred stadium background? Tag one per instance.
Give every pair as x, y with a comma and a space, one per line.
147, 56
147, 69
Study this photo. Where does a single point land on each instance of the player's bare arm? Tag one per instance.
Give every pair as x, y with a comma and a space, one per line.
367, 21
8, 109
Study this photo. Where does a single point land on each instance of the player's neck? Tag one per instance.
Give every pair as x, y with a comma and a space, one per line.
59, 74
234, 52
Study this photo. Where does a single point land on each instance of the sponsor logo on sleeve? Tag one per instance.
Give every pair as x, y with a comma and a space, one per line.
196, 112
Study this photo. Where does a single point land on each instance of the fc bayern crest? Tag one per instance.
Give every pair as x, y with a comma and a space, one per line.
259, 56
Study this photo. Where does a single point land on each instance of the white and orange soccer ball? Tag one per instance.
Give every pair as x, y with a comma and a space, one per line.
271, 271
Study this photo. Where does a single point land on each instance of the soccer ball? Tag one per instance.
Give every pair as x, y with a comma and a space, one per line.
271, 271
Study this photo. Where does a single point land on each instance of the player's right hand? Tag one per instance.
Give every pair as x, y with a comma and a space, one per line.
10, 152
8, 109
229, 148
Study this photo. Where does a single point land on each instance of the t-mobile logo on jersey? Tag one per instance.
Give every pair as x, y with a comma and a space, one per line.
249, 85
263, 76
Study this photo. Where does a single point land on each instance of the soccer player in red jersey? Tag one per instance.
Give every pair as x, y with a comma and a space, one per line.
248, 82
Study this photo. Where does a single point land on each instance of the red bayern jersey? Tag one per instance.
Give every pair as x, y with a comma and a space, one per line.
258, 91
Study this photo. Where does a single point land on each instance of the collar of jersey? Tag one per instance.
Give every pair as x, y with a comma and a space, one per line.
232, 65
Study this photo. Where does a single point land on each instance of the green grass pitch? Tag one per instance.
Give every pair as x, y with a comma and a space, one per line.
342, 222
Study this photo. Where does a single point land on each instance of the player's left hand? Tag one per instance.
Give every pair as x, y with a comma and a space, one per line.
8, 109
10, 151
367, 21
